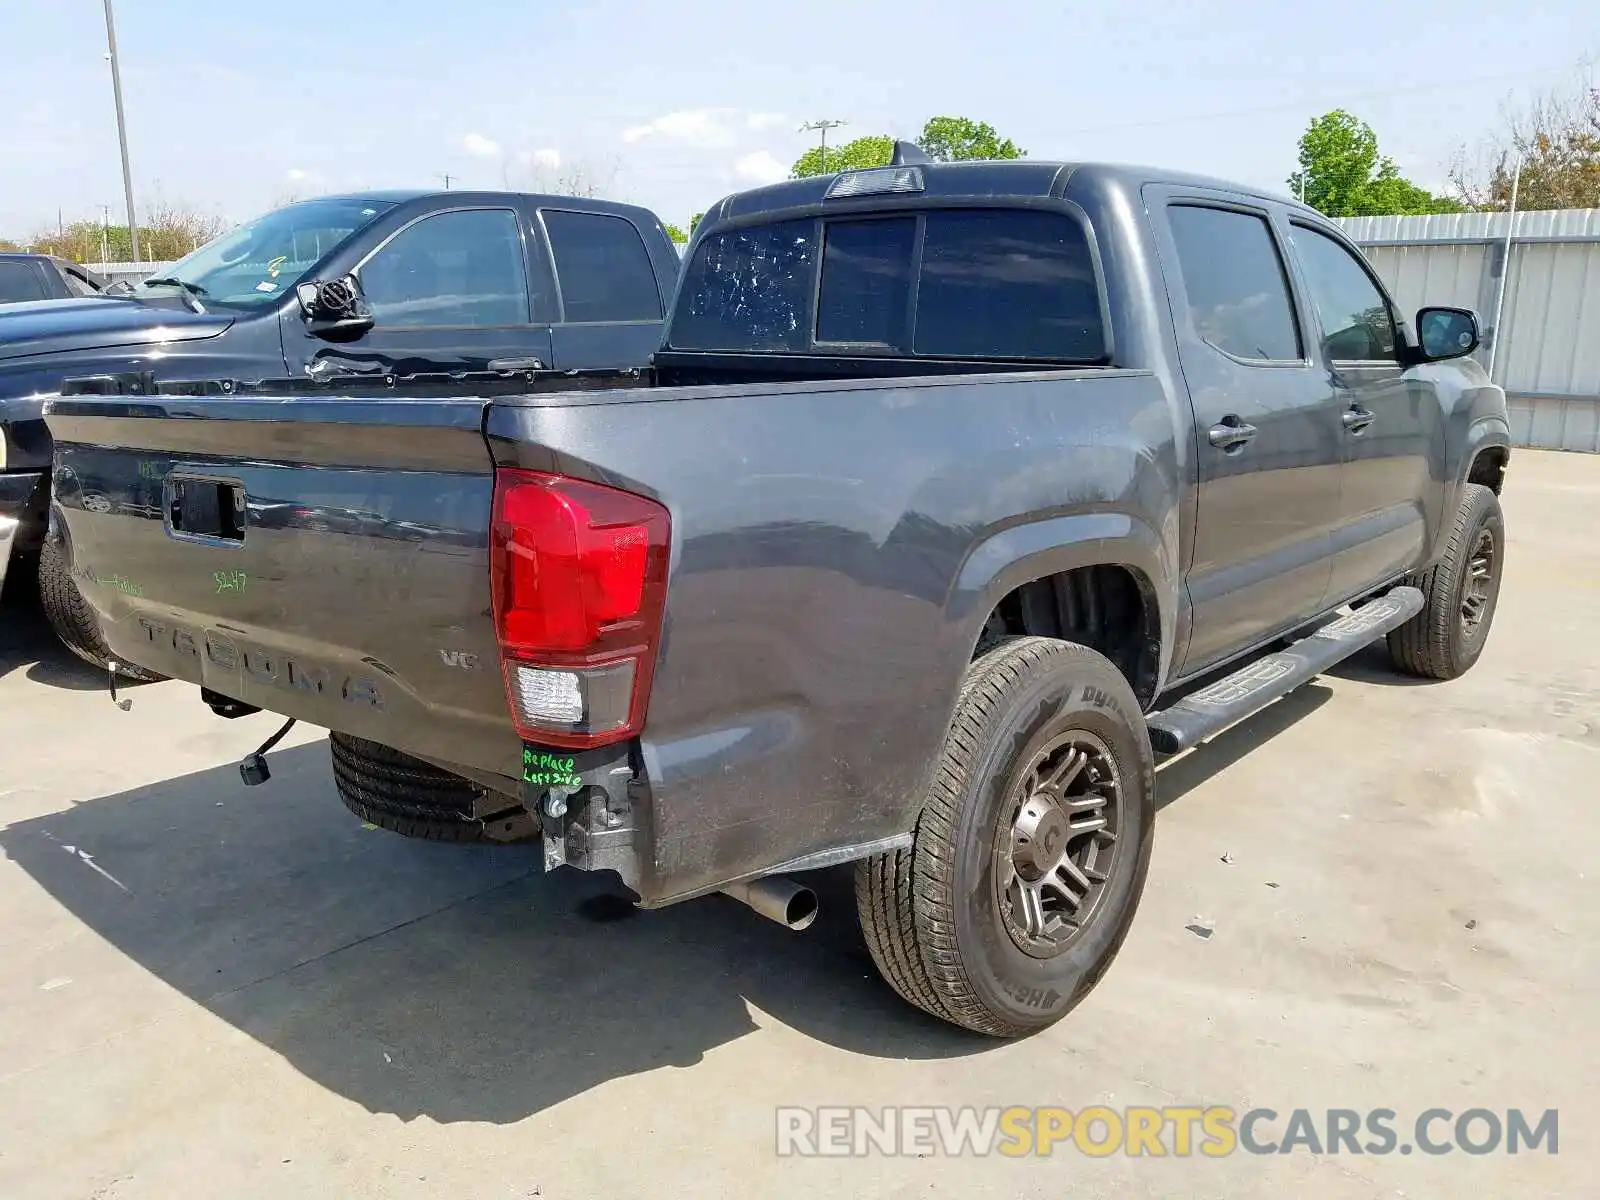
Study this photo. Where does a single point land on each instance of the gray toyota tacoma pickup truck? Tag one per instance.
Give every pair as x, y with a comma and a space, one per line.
957, 495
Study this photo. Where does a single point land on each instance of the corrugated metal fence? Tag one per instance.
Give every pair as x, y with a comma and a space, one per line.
124, 272
1548, 358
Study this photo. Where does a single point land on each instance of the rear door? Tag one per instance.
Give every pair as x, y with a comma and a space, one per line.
24, 279
1391, 423
1268, 440
611, 305
451, 292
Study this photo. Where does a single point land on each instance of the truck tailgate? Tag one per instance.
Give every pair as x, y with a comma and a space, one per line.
322, 558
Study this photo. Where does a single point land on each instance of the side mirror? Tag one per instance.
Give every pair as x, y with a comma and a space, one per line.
1447, 333
334, 309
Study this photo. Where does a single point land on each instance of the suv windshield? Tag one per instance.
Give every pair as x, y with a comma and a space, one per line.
253, 265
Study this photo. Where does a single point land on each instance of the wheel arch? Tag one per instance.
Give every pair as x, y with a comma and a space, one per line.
1037, 578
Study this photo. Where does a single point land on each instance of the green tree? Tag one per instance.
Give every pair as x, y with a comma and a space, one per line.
676, 233
694, 222
1342, 173
959, 139
7, 246
874, 150
166, 233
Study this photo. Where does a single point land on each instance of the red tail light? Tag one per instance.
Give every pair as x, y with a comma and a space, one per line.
579, 579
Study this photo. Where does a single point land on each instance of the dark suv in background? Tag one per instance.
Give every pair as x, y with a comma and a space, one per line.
451, 284
26, 277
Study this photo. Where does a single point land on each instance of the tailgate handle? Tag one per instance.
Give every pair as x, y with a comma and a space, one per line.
212, 509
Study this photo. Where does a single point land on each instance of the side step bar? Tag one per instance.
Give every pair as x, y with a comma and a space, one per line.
1251, 688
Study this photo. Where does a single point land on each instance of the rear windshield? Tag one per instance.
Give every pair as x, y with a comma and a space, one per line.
985, 283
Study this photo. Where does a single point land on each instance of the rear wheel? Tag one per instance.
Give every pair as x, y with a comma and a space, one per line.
407, 796
1445, 639
71, 617
1031, 850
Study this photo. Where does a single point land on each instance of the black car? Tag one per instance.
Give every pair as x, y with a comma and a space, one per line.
45, 277
447, 283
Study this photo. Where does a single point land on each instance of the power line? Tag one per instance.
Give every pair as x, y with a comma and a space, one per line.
822, 127
1289, 106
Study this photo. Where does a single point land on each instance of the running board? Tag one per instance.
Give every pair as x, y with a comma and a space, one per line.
1247, 691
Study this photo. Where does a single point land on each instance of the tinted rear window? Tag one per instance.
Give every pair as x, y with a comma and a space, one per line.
866, 281
1008, 284
20, 281
749, 289
1238, 292
990, 283
602, 267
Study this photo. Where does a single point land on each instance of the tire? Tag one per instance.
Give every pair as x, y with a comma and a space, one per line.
1443, 641
408, 796
71, 617
934, 916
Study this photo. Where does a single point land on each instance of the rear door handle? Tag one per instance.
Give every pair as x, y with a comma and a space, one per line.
516, 364
1230, 433
1356, 420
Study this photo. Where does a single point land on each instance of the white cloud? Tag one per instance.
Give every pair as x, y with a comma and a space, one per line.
482, 147
761, 167
547, 160
707, 128
762, 121
296, 175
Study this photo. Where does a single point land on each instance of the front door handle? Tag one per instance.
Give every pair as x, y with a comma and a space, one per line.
516, 364
1230, 433
1356, 420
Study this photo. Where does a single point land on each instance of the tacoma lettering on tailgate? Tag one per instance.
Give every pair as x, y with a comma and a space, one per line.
272, 670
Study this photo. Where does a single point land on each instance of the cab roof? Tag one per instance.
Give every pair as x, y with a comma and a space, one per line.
401, 197
1021, 178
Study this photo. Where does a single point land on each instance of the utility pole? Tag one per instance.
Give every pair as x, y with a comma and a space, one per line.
447, 179
822, 128
1505, 269
105, 233
122, 130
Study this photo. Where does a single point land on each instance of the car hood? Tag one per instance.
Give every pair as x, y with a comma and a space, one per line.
96, 322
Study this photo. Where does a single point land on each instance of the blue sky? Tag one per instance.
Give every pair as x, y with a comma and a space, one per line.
233, 107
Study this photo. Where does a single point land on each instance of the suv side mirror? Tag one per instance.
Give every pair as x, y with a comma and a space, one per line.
334, 309
1447, 333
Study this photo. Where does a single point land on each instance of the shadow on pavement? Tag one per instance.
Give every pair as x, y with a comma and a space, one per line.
1182, 775
28, 643
447, 981
460, 982
1373, 665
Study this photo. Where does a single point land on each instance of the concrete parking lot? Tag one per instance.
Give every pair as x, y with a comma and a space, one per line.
209, 991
